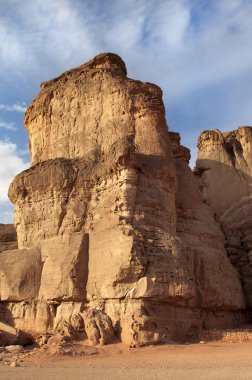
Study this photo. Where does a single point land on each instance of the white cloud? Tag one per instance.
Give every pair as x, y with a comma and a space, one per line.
6, 215
11, 164
13, 107
11, 46
24, 151
8, 125
53, 37
182, 45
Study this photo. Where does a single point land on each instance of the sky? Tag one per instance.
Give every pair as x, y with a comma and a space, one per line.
198, 51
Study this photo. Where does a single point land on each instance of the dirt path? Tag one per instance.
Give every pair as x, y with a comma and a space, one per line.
218, 361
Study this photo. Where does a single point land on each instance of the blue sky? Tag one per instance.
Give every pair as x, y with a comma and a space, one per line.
198, 51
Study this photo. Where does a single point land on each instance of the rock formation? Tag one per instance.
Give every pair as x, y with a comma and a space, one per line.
8, 237
224, 168
110, 220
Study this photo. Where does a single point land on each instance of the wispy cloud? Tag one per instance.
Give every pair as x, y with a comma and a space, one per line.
199, 52
24, 152
7, 215
182, 45
13, 164
8, 125
17, 107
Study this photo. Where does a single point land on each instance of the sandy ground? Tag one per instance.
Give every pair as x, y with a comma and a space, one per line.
229, 361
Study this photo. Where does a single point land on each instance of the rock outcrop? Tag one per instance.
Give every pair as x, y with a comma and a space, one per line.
8, 237
111, 219
224, 168
98, 327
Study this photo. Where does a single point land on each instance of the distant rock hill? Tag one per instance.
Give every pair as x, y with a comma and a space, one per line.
116, 234
8, 237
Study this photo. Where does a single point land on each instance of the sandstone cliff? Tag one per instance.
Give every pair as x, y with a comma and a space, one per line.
111, 220
224, 168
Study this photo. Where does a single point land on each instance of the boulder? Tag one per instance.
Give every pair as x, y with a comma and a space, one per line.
98, 327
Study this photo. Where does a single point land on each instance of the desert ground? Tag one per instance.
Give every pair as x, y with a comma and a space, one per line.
215, 360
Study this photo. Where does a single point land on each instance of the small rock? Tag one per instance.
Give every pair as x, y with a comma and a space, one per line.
14, 364
15, 349
58, 339
43, 339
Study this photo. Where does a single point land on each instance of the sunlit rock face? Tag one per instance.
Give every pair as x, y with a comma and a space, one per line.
113, 217
224, 168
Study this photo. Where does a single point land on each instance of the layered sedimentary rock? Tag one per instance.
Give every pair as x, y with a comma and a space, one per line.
224, 168
116, 215
8, 237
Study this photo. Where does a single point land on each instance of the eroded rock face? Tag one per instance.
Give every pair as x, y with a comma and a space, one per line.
98, 327
116, 215
8, 237
201, 234
20, 274
224, 168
